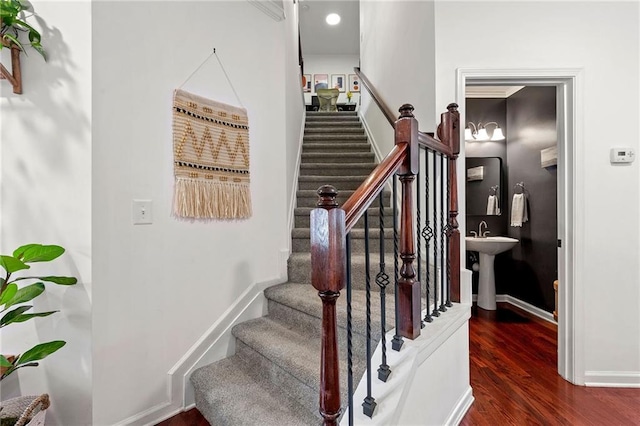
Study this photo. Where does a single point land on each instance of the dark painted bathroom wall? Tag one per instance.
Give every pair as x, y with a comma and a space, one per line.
531, 117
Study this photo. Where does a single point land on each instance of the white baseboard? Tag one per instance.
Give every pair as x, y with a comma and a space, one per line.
461, 408
293, 196
527, 307
612, 379
372, 140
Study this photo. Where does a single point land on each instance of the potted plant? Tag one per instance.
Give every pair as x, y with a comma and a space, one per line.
13, 23
15, 293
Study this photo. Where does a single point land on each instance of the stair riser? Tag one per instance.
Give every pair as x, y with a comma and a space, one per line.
300, 245
322, 124
333, 158
302, 275
311, 200
333, 131
303, 221
337, 148
313, 327
328, 138
348, 169
304, 394
340, 185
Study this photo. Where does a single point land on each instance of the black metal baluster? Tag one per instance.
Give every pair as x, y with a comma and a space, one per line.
435, 313
418, 227
369, 404
349, 333
382, 279
427, 233
443, 232
397, 341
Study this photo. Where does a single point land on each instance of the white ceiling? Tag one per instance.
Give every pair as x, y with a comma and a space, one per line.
319, 38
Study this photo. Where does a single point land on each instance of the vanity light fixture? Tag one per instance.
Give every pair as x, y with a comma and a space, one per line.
479, 132
333, 19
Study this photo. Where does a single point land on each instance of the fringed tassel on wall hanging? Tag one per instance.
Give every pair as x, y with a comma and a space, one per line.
211, 159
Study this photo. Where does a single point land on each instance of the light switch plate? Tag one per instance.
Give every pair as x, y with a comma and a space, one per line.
142, 213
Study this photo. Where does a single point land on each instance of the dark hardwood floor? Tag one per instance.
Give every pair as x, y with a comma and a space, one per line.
515, 380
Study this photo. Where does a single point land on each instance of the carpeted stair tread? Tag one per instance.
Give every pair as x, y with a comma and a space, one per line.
312, 147
304, 298
332, 123
343, 157
340, 182
284, 345
332, 137
239, 397
334, 130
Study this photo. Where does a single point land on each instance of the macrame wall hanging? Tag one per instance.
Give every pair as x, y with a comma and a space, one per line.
211, 156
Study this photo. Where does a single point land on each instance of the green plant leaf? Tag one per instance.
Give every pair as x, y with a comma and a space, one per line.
25, 294
11, 264
4, 362
38, 253
8, 293
11, 316
40, 351
52, 279
27, 317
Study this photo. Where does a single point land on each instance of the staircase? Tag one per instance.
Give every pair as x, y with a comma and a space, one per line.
273, 378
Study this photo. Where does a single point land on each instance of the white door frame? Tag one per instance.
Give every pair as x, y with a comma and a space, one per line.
568, 83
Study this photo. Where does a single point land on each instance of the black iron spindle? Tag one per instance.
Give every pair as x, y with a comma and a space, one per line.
349, 333
382, 279
369, 404
435, 313
418, 227
397, 341
427, 233
443, 232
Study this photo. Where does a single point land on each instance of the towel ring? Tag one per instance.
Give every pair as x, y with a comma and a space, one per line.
519, 187
494, 190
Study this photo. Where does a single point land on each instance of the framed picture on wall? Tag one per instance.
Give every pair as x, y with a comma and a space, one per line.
320, 81
306, 83
338, 82
354, 83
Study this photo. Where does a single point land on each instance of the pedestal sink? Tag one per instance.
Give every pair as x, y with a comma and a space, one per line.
488, 247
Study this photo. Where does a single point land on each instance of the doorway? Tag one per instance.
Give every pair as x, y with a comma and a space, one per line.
566, 83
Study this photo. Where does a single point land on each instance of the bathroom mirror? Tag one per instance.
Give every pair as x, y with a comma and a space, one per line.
484, 186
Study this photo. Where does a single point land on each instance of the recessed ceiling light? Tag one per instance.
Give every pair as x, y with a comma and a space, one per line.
333, 19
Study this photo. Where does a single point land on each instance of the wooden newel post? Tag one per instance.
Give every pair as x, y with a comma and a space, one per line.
328, 272
409, 301
449, 133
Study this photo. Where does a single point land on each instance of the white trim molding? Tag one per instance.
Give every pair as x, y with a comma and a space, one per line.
612, 379
571, 171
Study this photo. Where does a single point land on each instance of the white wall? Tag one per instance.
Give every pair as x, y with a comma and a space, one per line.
397, 48
607, 245
331, 64
159, 287
295, 111
45, 195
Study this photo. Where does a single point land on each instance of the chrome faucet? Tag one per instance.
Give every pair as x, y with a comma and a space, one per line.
483, 234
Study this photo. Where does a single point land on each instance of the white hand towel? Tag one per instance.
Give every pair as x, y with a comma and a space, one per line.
493, 206
519, 210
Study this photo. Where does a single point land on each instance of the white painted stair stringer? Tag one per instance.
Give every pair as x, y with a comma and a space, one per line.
441, 350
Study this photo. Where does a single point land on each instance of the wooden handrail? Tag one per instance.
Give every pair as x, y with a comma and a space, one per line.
362, 198
388, 112
424, 139
430, 142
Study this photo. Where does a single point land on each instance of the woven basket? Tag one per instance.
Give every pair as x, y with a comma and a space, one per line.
20, 410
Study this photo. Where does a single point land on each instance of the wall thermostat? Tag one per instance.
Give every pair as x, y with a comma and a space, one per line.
622, 155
